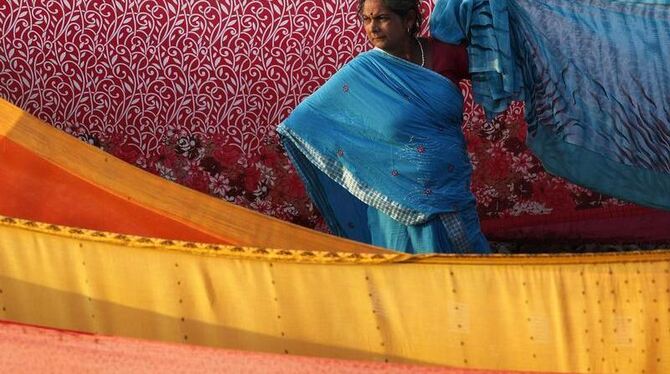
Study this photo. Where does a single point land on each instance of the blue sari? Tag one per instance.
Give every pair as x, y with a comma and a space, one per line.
595, 79
380, 149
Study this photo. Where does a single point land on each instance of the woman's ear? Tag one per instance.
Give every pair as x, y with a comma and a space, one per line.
410, 20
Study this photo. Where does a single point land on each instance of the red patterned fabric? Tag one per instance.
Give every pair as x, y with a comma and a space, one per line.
192, 90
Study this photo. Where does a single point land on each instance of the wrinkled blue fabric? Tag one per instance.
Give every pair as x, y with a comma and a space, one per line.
496, 79
594, 77
383, 157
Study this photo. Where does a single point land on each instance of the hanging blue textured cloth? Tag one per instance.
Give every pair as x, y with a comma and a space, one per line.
595, 79
381, 152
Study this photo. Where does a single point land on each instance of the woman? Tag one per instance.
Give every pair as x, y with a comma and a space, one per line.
379, 146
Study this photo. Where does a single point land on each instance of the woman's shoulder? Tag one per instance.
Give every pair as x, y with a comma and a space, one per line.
446, 49
450, 60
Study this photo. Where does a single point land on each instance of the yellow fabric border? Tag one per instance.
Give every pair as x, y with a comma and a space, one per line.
206, 249
330, 257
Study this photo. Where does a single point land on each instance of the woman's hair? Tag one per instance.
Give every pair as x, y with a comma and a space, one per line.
401, 8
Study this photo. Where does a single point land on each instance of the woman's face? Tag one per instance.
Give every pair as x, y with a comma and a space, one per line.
385, 29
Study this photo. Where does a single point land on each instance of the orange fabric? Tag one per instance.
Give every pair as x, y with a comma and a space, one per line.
35, 189
122, 182
29, 349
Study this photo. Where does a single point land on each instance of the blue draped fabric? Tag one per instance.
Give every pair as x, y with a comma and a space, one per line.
382, 154
595, 79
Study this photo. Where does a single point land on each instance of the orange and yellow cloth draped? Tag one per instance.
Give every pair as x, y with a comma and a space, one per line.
602, 313
49, 176
245, 281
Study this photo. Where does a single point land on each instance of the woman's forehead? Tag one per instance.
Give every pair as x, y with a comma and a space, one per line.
374, 7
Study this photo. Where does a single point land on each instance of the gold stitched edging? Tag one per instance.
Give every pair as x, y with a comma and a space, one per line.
206, 249
331, 257
662, 255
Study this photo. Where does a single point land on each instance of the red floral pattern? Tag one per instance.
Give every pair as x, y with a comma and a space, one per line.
508, 180
192, 90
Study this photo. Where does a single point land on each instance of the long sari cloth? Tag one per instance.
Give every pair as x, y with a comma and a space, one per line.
595, 79
381, 152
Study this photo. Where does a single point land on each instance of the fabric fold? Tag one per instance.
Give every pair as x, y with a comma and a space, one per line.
496, 80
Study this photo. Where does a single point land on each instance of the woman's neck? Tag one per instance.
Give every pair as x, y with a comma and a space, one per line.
409, 50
